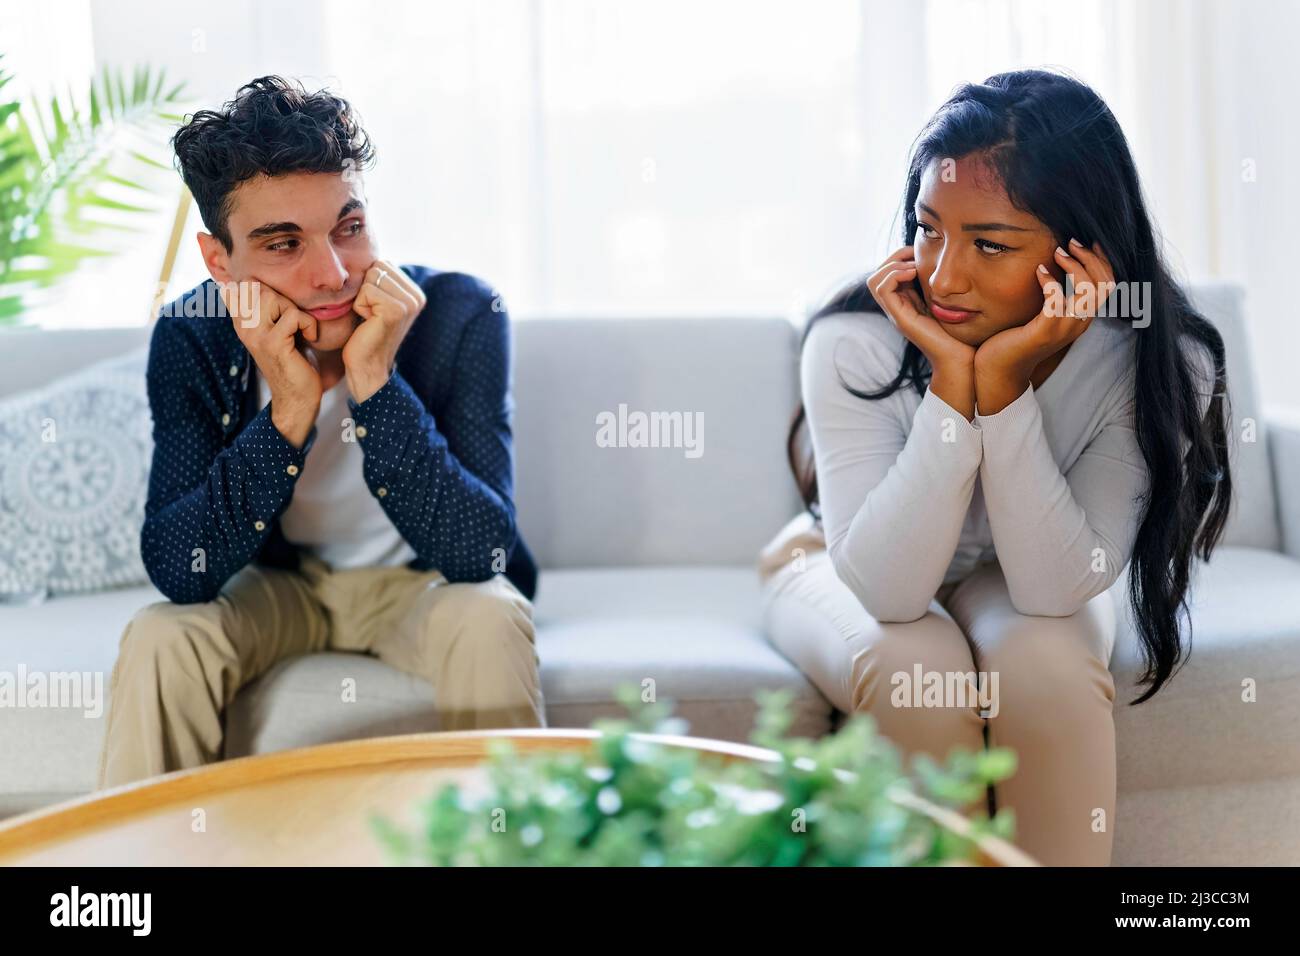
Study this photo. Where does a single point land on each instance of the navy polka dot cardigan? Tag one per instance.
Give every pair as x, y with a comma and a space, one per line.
436, 440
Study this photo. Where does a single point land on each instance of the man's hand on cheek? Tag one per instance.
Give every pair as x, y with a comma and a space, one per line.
268, 324
387, 303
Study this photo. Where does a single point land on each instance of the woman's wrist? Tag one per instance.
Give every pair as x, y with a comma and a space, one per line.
954, 382
995, 390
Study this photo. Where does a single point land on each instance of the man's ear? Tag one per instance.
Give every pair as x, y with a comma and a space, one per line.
215, 257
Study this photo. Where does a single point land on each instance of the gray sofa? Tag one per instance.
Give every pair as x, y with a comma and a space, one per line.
648, 574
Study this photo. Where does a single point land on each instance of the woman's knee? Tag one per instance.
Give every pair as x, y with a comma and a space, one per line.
916, 680
1046, 669
918, 670
888, 670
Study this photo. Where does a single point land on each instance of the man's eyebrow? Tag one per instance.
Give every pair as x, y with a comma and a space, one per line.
275, 228
976, 226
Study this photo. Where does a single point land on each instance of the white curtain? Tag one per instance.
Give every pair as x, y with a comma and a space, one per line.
627, 157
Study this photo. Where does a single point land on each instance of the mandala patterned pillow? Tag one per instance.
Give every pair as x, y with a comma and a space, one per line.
73, 479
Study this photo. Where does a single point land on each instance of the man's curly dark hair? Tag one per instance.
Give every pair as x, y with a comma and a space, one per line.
272, 126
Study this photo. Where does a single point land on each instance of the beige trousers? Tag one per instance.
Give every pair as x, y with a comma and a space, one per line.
1052, 695
180, 665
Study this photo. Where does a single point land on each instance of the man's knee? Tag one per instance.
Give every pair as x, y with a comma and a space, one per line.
491, 614
165, 635
155, 626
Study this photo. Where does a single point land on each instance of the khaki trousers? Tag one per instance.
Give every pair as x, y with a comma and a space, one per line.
180, 665
1054, 691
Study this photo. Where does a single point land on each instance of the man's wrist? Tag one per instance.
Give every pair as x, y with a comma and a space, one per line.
294, 424
363, 382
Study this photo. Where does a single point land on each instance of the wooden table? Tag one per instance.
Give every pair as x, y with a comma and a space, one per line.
306, 807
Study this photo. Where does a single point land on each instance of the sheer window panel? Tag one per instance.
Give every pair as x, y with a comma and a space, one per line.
450, 107
629, 159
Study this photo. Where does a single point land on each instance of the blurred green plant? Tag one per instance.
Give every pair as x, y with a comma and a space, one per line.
61, 169
631, 801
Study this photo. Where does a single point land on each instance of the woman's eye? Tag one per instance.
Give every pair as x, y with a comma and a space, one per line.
984, 245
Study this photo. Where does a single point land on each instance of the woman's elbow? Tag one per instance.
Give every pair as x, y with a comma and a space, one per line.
885, 603
1046, 605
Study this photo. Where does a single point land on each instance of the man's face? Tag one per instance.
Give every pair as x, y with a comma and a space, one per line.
976, 251
305, 235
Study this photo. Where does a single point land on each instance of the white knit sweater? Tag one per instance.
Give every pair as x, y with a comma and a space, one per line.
914, 496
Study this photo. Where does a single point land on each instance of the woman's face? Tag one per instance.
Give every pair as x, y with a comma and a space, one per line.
975, 251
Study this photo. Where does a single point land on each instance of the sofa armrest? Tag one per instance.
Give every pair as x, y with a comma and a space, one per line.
1283, 430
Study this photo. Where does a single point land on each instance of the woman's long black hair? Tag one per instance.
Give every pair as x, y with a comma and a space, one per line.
1063, 159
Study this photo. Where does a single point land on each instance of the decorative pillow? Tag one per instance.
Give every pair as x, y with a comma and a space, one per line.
73, 479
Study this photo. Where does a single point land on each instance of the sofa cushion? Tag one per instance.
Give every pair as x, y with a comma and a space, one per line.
33, 356
692, 631
300, 703
72, 482
585, 505
1198, 731
1252, 521
56, 749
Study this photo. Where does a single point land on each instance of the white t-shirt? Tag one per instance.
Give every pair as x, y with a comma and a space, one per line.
332, 513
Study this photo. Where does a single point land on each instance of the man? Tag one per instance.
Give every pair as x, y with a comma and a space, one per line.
333, 455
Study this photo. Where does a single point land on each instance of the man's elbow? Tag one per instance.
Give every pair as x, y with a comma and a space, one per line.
181, 589
481, 559
191, 584
483, 564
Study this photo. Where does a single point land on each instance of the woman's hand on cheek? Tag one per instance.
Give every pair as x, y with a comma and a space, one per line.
1004, 362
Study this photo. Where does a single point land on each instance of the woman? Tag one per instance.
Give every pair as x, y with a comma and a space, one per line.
984, 421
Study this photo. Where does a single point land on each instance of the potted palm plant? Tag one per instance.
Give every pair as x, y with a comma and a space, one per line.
70, 177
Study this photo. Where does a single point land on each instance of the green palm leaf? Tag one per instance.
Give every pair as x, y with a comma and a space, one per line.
67, 175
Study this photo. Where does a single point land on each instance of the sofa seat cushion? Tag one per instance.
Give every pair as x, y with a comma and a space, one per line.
693, 631
1198, 730
56, 749
320, 698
